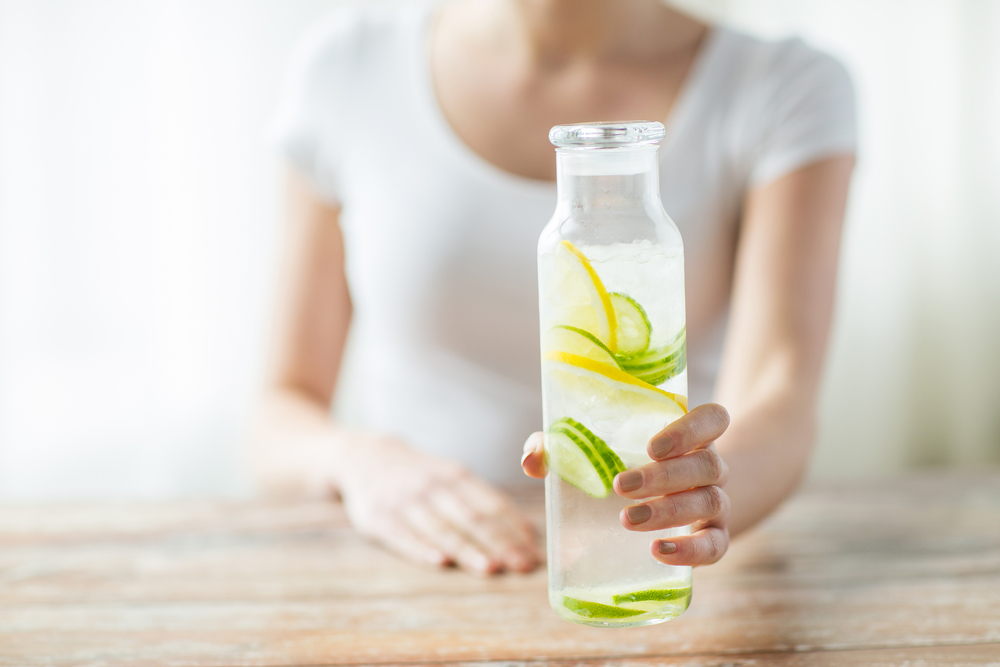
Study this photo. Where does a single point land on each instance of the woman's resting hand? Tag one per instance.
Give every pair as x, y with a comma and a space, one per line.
682, 485
434, 511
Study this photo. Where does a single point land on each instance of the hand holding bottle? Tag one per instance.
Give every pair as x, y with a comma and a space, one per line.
683, 485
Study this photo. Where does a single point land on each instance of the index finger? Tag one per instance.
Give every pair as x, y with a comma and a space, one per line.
696, 429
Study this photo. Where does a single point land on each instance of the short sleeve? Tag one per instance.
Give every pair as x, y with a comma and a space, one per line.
304, 125
809, 115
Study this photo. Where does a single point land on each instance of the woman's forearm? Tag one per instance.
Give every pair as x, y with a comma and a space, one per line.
782, 306
296, 448
767, 448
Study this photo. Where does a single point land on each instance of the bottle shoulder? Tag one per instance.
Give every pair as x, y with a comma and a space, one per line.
611, 227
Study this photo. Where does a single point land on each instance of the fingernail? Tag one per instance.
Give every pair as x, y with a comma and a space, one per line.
529, 449
661, 447
630, 480
638, 514
667, 547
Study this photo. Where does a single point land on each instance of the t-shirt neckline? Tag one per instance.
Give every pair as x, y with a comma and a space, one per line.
676, 120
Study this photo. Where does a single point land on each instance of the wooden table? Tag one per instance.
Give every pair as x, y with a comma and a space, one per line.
905, 572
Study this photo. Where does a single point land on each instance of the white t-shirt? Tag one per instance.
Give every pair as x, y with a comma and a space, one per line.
440, 244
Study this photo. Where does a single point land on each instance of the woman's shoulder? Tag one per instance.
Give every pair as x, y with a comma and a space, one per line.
766, 67
347, 62
356, 35
786, 101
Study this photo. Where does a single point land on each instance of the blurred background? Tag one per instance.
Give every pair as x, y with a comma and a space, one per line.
140, 219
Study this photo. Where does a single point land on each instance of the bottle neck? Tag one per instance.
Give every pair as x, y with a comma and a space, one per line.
608, 179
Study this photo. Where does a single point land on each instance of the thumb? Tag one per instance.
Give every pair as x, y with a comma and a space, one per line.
533, 461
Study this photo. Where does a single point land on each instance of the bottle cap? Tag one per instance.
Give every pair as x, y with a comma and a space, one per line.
618, 134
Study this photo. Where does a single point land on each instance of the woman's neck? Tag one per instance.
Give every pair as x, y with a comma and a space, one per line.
557, 31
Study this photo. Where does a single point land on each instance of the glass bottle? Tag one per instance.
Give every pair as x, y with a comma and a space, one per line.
614, 371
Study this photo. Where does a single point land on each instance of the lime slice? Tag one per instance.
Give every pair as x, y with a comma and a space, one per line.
578, 457
579, 297
657, 595
589, 609
579, 342
609, 383
633, 327
657, 366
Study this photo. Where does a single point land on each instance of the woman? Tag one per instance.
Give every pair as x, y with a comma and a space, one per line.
421, 176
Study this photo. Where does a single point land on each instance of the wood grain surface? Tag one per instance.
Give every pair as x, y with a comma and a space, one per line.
900, 572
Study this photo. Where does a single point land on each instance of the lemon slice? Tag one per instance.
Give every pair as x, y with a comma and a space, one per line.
579, 342
610, 382
623, 409
580, 298
633, 327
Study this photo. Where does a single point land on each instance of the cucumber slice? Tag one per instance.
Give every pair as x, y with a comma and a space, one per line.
589, 609
575, 462
580, 458
655, 357
579, 342
659, 373
659, 365
612, 463
632, 325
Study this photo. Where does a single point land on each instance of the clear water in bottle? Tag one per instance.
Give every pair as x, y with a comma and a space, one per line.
611, 286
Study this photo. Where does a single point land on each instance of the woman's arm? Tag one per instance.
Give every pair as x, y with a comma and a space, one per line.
296, 444
782, 306
779, 323
422, 507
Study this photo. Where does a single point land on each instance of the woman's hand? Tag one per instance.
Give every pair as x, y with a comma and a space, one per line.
683, 486
434, 511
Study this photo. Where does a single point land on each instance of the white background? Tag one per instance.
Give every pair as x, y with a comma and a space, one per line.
139, 217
